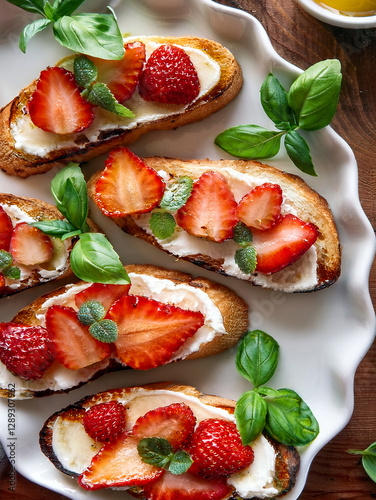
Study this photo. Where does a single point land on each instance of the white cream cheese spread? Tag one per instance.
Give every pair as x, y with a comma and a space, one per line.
33, 140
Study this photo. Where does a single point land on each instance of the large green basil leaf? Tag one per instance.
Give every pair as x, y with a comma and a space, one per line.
299, 152
93, 259
34, 6
66, 7
314, 94
250, 414
30, 30
57, 227
368, 460
257, 357
274, 102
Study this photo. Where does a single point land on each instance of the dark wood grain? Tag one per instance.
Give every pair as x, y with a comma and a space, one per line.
302, 40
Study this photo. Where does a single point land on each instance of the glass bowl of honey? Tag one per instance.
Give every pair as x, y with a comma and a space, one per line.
344, 13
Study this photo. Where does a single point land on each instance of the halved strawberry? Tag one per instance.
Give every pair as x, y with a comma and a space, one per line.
149, 332
127, 185
73, 345
175, 423
261, 207
186, 487
118, 464
283, 244
122, 77
105, 294
210, 210
6, 229
29, 245
57, 106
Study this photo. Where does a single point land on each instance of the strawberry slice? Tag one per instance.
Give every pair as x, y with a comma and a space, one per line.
118, 464
127, 185
149, 332
210, 210
122, 77
29, 245
6, 229
105, 294
261, 207
2, 281
175, 423
283, 244
73, 345
57, 106
186, 487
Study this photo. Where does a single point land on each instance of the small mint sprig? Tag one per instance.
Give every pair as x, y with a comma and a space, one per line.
281, 413
246, 256
368, 460
91, 313
309, 105
97, 35
159, 452
162, 222
6, 266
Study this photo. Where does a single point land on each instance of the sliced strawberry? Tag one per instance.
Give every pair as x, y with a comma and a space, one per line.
283, 244
2, 281
149, 332
122, 77
6, 229
210, 210
118, 464
261, 207
29, 245
127, 185
73, 345
169, 77
175, 423
186, 487
57, 106
105, 294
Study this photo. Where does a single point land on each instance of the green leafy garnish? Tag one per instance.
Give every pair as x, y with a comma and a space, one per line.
282, 413
97, 35
310, 104
6, 266
91, 314
105, 330
246, 256
162, 224
159, 452
368, 460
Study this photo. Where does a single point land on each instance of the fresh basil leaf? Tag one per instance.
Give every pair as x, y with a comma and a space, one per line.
90, 312
246, 259
54, 227
162, 224
71, 234
257, 357
299, 152
101, 95
176, 194
250, 414
50, 12
249, 141
314, 94
180, 462
368, 460
242, 234
155, 451
289, 419
85, 71
34, 6
30, 30
12, 272
6, 259
96, 35
66, 7
93, 259
105, 330
274, 102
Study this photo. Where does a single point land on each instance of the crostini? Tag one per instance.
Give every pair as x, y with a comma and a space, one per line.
235, 217
165, 82
103, 441
83, 330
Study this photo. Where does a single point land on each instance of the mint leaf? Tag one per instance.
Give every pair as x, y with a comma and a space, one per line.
6, 259
180, 462
155, 451
250, 414
368, 460
162, 224
274, 102
299, 152
12, 272
242, 234
90, 312
85, 71
176, 194
246, 259
30, 30
100, 95
56, 227
105, 330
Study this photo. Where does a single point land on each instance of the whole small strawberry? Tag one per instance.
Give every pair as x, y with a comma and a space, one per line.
105, 422
169, 77
25, 350
217, 450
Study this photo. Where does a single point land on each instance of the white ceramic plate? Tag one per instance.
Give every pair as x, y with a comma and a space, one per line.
323, 336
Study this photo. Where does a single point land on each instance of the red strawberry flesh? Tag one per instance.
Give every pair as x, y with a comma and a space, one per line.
103, 293
29, 245
6, 229
105, 421
261, 207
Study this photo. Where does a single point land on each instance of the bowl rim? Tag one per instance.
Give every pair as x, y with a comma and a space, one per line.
326, 15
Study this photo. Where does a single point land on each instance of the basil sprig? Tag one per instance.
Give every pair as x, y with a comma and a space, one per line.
368, 460
309, 105
159, 452
97, 35
282, 413
92, 258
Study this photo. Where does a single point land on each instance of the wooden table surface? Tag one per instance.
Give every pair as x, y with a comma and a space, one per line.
303, 40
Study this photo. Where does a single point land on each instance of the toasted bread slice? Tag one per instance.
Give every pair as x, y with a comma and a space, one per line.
26, 150
319, 267
72, 458
225, 321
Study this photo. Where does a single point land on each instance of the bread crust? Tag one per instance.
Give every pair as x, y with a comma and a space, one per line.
309, 205
287, 457
16, 162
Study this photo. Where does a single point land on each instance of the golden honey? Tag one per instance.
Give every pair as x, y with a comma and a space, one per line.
350, 7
